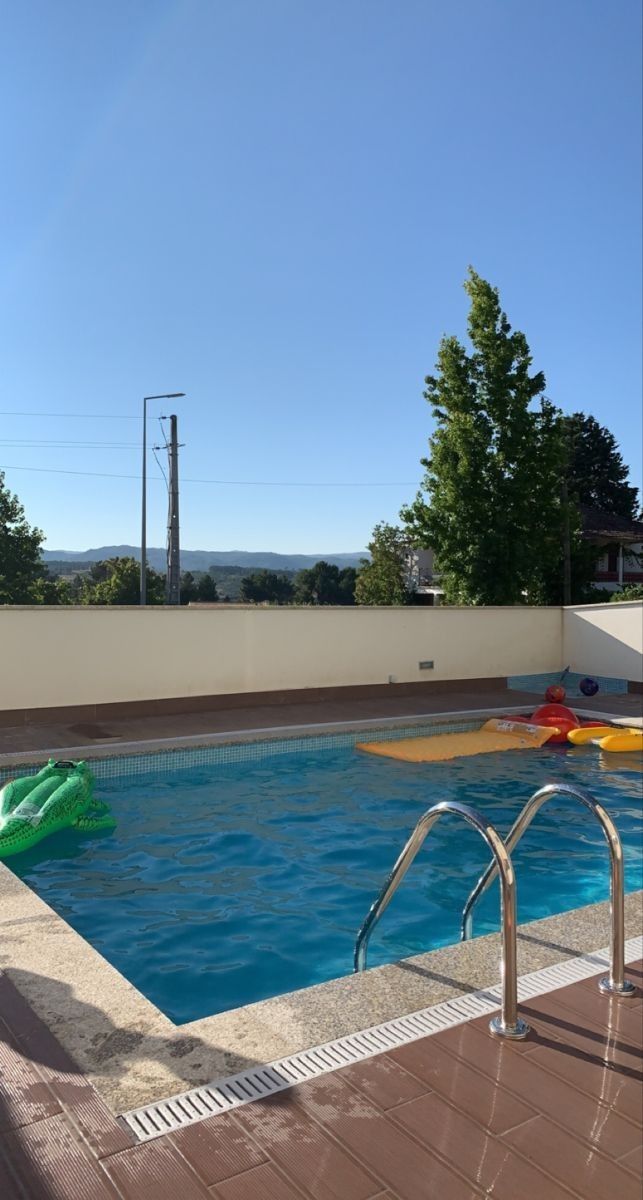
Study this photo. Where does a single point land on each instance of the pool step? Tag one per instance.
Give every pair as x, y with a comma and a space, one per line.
212, 1099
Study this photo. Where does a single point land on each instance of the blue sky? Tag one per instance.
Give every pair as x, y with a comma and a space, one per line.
271, 206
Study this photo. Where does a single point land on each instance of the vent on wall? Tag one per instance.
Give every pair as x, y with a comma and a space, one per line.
226, 1094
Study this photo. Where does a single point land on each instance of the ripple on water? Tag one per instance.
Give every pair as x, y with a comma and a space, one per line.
224, 885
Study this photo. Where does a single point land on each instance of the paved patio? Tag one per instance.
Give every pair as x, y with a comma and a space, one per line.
66, 734
450, 1117
459, 1114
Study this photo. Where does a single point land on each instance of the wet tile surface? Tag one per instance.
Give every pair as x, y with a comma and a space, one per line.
459, 1116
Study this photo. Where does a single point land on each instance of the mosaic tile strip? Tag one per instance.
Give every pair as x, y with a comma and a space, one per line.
183, 758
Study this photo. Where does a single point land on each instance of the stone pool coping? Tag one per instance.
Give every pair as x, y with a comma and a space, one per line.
267, 733
134, 1055
125, 749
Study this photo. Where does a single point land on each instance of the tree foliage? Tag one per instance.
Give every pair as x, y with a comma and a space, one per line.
49, 590
266, 587
21, 569
384, 579
118, 581
325, 583
596, 473
493, 510
201, 589
631, 591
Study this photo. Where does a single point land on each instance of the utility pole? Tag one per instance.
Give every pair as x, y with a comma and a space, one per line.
164, 396
173, 582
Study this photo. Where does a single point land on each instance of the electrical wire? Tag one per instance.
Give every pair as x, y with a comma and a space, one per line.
160, 467
223, 482
158, 463
80, 416
24, 443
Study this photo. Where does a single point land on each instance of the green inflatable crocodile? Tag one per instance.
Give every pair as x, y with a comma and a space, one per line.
60, 796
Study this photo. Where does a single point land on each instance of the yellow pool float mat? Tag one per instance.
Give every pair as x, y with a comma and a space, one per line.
612, 738
493, 736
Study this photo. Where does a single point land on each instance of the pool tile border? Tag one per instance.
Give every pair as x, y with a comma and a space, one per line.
251, 749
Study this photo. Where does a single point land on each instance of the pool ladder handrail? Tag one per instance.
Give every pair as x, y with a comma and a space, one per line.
614, 983
508, 1023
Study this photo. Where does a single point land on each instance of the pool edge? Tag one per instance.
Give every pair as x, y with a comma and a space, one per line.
134, 1055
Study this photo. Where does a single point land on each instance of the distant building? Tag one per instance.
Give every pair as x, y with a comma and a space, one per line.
423, 579
620, 562
621, 542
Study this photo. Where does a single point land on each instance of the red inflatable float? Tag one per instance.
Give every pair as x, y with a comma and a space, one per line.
557, 716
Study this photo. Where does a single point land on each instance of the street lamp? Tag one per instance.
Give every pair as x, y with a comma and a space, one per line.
165, 396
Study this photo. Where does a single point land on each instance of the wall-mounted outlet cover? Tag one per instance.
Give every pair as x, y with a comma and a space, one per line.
426, 665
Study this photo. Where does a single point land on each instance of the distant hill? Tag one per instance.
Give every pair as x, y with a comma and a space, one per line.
201, 560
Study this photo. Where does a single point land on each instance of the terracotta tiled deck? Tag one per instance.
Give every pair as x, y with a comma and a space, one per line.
456, 1115
63, 733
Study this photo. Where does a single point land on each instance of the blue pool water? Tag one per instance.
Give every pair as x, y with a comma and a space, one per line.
227, 884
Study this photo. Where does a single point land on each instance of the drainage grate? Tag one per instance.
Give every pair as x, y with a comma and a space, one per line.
226, 1094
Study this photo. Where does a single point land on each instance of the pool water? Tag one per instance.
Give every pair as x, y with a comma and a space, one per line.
227, 884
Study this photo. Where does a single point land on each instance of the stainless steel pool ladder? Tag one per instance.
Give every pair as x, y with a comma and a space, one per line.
614, 983
508, 1023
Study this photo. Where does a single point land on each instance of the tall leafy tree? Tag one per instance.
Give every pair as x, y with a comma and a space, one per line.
49, 590
188, 587
198, 589
347, 583
21, 569
385, 578
266, 587
491, 508
324, 583
117, 581
206, 589
596, 472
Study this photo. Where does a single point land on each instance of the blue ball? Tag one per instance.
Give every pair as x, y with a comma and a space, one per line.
588, 687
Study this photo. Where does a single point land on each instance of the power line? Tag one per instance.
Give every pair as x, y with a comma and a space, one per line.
62, 471
24, 443
225, 482
158, 462
160, 467
79, 416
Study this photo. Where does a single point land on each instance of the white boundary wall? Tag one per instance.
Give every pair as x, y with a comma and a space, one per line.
68, 656
605, 639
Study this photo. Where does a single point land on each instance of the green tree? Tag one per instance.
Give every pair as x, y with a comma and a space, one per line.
117, 581
596, 473
631, 591
384, 579
347, 584
207, 590
202, 589
266, 587
188, 587
50, 590
21, 569
492, 512
325, 584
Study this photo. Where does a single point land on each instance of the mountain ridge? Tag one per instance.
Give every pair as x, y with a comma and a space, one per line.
201, 560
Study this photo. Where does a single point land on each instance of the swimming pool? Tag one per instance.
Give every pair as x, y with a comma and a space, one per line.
227, 882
